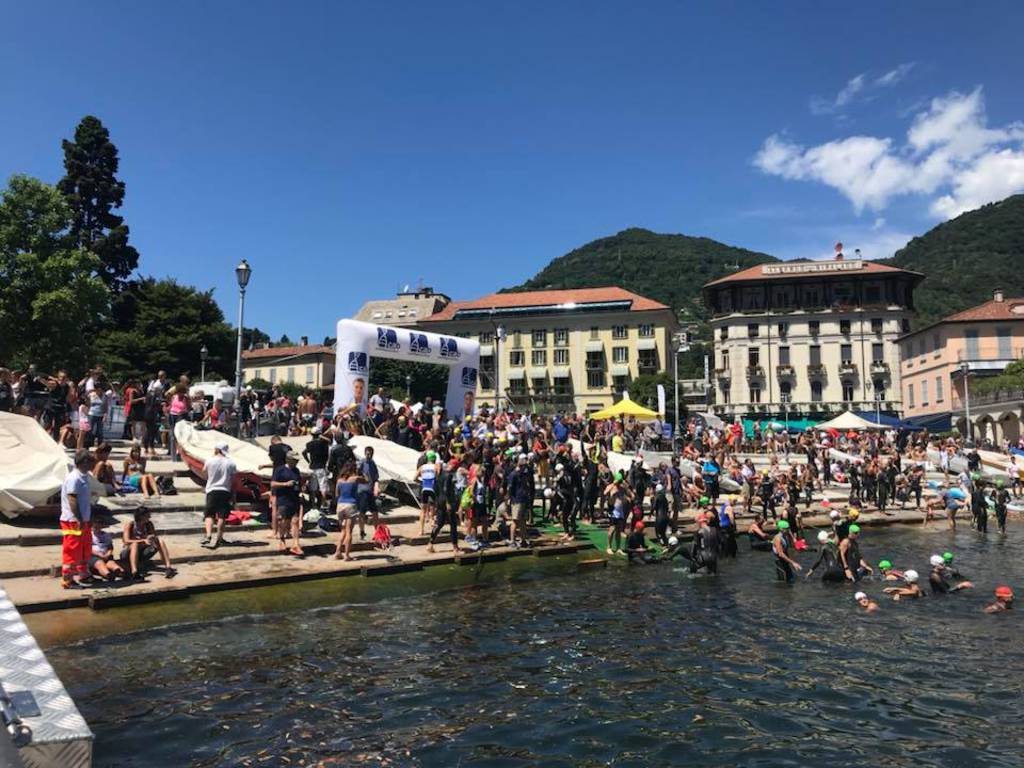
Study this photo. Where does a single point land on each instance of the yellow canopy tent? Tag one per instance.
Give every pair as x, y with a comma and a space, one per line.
625, 407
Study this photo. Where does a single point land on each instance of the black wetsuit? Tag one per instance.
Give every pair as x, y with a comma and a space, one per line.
979, 509
703, 551
446, 504
853, 559
726, 535
828, 561
661, 517
1002, 499
783, 570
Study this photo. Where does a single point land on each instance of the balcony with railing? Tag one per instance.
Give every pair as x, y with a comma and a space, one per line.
880, 368
847, 368
755, 372
723, 374
817, 370
785, 371
977, 361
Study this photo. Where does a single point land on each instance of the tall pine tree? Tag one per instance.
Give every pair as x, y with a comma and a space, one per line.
93, 190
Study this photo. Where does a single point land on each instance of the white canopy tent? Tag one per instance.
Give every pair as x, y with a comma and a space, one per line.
847, 421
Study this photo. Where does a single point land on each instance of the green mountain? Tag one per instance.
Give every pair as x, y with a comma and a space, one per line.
966, 258
668, 268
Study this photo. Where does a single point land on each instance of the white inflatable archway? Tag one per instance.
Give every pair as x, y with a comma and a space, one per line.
358, 342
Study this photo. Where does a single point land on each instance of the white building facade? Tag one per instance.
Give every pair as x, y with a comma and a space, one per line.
809, 338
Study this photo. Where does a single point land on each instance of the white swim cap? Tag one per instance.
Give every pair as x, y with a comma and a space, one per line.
659, 488
910, 576
834, 514
860, 596
823, 537
936, 560
548, 493
672, 541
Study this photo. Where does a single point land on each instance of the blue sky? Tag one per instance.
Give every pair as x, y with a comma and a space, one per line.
345, 149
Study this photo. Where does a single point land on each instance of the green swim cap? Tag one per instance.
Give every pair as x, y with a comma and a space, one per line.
618, 477
704, 499
975, 475
854, 528
947, 556
782, 525
431, 455
882, 565
1000, 482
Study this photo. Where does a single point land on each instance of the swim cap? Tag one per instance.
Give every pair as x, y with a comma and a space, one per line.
704, 499
782, 525
618, 477
999, 482
975, 475
854, 528
860, 596
947, 556
659, 488
548, 493
936, 560
639, 525
884, 565
822, 537
1004, 592
732, 499
910, 576
431, 455
854, 514
834, 514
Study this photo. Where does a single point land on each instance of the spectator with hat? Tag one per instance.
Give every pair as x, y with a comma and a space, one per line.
219, 472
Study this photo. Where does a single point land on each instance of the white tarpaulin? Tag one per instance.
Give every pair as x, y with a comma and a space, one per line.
32, 465
394, 461
199, 444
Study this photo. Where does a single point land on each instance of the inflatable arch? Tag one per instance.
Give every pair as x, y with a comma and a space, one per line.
358, 342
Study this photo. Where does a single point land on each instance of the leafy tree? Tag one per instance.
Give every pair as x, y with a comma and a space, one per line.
259, 384
426, 379
93, 190
49, 295
162, 326
253, 336
284, 341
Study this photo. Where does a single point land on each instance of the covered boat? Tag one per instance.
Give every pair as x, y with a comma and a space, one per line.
195, 446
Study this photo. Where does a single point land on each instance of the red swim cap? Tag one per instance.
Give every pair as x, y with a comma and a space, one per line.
1004, 592
639, 525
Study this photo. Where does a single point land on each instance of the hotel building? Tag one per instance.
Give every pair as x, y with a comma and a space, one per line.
571, 350
809, 338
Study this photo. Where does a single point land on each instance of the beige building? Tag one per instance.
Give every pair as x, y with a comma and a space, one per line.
408, 308
573, 350
809, 338
980, 341
308, 365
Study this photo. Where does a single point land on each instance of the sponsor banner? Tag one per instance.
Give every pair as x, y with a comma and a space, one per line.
359, 343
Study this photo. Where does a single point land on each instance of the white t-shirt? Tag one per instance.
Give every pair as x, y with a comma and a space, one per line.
76, 483
377, 403
220, 470
156, 386
226, 395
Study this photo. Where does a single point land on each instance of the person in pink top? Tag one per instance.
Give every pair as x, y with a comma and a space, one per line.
178, 407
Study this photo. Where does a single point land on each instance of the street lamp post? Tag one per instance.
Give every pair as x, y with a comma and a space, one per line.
679, 346
964, 371
408, 385
878, 407
785, 397
499, 334
204, 354
243, 272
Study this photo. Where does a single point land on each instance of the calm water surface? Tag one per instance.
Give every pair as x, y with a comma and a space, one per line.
626, 666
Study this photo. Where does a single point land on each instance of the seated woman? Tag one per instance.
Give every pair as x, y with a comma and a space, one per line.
104, 470
102, 562
141, 544
135, 477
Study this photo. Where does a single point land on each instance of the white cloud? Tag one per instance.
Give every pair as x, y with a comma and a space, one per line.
879, 223
860, 86
949, 147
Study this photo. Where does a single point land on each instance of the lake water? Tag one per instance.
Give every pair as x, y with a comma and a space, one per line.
626, 666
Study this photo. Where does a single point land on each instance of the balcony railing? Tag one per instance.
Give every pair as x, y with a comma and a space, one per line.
816, 369
879, 366
723, 373
785, 371
755, 372
848, 367
1011, 395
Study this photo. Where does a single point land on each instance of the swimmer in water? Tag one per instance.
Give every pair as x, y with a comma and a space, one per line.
889, 573
828, 560
939, 578
947, 561
759, 539
865, 602
911, 590
636, 545
785, 566
1004, 601
1001, 499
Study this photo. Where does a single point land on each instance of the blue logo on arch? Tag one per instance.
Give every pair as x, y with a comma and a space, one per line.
449, 348
357, 362
418, 344
469, 378
387, 338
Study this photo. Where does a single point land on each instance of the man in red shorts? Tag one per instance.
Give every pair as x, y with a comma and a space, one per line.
76, 523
